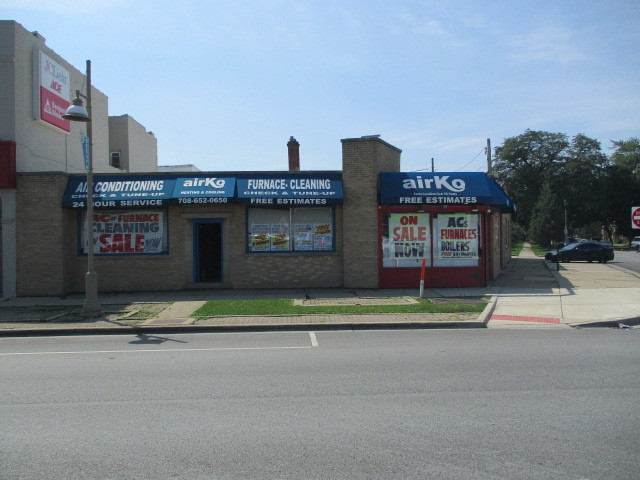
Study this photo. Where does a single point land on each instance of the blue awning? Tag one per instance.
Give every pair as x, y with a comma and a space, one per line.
120, 191
211, 189
442, 188
156, 190
294, 189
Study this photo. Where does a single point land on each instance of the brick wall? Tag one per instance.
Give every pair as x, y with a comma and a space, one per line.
40, 232
284, 270
362, 160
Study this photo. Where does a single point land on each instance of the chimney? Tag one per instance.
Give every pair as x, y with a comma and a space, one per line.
294, 155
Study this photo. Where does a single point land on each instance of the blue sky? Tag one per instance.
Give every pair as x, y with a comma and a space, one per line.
224, 84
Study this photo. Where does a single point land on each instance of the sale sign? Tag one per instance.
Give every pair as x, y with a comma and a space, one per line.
635, 217
127, 232
52, 87
409, 236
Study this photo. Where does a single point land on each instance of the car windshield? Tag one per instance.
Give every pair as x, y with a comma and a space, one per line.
571, 246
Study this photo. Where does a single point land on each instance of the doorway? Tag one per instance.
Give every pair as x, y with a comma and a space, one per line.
207, 250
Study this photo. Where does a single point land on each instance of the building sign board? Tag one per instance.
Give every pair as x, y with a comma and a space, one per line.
285, 190
51, 91
290, 189
429, 188
112, 191
212, 189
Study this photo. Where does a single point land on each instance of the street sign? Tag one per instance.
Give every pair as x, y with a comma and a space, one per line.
85, 150
635, 217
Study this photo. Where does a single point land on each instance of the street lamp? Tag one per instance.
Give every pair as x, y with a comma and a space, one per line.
76, 112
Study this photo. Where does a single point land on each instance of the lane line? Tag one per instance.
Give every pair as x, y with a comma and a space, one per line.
152, 350
314, 340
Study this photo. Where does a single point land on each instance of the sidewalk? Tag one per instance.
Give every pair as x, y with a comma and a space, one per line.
529, 292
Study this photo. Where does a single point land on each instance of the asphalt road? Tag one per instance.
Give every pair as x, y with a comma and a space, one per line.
627, 259
421, 404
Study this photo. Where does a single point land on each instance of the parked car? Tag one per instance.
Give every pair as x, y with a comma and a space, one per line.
586, 251
635, 244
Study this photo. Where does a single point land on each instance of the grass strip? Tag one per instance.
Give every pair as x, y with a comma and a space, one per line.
214, 308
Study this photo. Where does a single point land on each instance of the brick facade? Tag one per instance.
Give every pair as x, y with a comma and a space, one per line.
362, 161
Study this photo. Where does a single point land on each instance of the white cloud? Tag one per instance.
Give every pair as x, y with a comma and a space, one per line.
550, 43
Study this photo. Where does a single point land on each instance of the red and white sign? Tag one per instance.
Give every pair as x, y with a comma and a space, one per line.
635, 217
52, 90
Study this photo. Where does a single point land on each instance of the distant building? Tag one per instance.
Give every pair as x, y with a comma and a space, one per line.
178, 168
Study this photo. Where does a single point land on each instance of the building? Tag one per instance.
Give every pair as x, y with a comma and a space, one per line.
36, 86
368, 225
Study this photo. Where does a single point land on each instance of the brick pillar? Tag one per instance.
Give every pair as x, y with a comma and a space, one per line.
294, 155
362, 161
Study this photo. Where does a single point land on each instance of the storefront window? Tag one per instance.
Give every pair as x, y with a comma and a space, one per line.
141, 232
406, 239
290, 230
456, 240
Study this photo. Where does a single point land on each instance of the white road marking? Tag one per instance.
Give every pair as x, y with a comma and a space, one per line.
314, 340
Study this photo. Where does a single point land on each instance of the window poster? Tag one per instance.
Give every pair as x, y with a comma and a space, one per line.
408, 241
457, 241
303, 237
260, 240
141, 232
322, 237
280, 237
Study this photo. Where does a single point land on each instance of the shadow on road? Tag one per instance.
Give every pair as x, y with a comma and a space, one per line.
144, 339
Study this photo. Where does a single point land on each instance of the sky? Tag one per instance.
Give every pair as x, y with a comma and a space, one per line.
224, 84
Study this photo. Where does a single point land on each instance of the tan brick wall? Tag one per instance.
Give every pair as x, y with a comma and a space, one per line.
284, 270
40, 234
362, 161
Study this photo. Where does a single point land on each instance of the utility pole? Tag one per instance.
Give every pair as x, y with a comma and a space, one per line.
489, 170
433, 169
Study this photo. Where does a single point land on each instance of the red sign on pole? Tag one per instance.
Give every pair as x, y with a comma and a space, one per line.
635, 217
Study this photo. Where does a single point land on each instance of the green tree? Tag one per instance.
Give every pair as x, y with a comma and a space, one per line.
627, 156
580, 181
521, 164
547, 219
622, 187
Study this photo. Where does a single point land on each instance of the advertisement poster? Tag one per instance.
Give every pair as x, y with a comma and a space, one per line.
303, 237
52, 90
458, 239
260, 237
408, 242
280, 237
322, 237
127, 232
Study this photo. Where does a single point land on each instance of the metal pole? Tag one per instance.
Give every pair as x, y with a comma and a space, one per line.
91, 306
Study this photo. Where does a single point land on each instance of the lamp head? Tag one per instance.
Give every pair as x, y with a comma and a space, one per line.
77, 112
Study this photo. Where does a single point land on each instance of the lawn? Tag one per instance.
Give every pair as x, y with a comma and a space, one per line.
214, 308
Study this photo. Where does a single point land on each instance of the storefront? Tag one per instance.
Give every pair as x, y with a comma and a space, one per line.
443, 220
368, 226
221, 224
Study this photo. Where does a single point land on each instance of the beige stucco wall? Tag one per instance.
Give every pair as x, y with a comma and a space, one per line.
138, 148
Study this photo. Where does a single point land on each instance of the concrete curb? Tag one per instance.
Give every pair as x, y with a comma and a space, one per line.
167, 329
613, 323
486, 314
